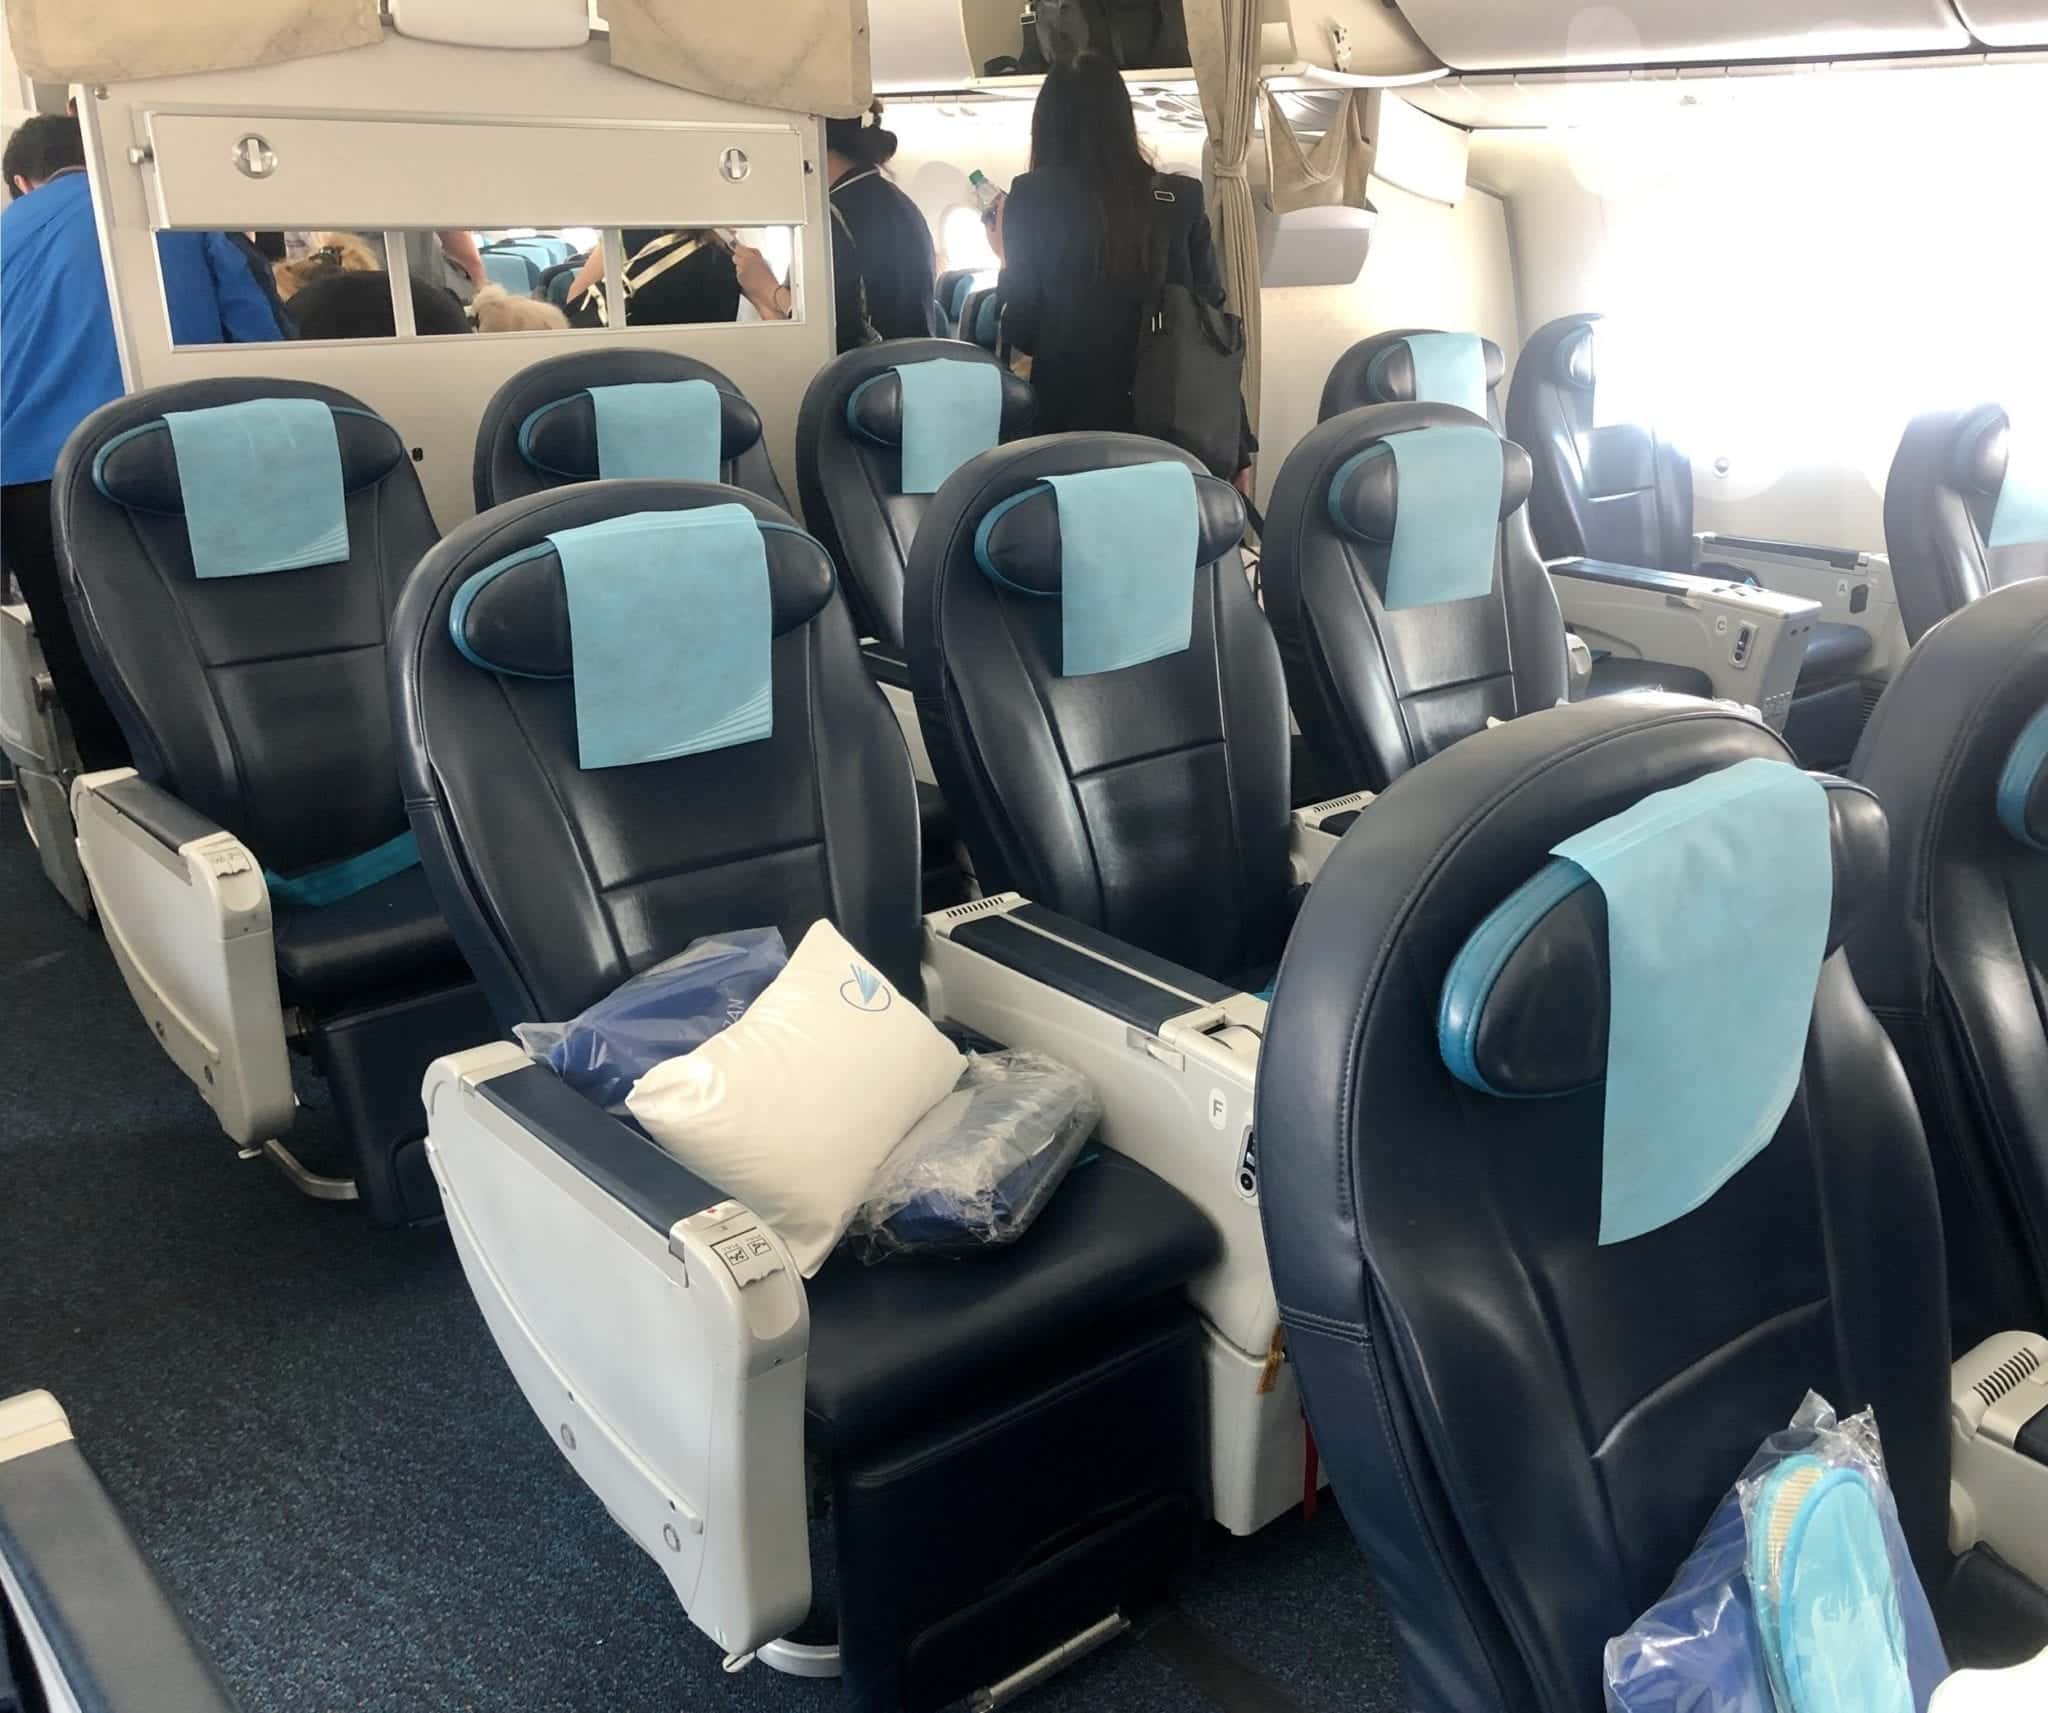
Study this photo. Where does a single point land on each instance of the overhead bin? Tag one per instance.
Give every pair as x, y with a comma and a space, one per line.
1556, 33
2006, 23
943, 45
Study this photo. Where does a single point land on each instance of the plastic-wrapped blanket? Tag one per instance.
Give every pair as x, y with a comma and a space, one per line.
1800, 1597
978, 1168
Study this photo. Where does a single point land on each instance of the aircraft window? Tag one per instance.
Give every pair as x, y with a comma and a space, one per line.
964, 240
238, 287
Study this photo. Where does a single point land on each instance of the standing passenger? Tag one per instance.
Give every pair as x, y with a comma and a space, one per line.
880, 240
59, 363
1079, 236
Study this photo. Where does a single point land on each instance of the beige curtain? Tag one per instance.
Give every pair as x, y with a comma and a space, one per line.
117, 41
1331, 174
1223, 42
803, 56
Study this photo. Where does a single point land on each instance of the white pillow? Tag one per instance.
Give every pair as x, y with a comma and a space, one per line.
793, 1108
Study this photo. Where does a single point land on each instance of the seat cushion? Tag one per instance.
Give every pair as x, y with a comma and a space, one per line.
1613, 674
386, 942
911, 1337
1834, 650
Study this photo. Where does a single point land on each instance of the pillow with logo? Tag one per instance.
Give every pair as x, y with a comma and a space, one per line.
792, 1108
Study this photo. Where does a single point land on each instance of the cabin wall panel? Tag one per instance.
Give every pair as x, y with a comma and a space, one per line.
435, 390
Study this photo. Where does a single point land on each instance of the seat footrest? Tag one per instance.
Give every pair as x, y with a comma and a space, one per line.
1034, 1517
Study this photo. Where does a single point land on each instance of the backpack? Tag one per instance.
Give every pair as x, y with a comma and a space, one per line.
1190, 374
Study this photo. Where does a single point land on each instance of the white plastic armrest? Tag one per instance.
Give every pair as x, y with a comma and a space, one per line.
1309, 847
1578, 665
1174, 1058
1997, 1493
660, 1332
187, 913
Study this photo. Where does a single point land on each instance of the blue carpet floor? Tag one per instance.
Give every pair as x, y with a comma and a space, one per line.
310, 1430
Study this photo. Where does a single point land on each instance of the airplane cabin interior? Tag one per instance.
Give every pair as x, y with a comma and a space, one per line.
908, 855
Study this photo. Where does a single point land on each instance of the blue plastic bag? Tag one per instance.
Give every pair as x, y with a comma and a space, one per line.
1702, 1648
665, 1011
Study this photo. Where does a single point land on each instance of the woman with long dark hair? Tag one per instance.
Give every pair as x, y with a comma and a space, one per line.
1080, 234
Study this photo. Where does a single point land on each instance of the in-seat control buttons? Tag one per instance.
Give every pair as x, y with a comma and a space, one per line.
1248, 1165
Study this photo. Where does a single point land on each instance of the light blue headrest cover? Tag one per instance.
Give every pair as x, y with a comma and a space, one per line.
2023, 785
1447, 493
2021, 515
664, 620
1129, 545
1718, 896
951, 411
1450, 368
262, 486
511, 269
670, 430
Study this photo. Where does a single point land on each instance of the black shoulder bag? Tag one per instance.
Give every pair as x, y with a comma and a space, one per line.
1190, 368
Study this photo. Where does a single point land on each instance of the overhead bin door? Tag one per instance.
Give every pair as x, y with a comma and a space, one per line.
1518, 34
267, 170
2006, 23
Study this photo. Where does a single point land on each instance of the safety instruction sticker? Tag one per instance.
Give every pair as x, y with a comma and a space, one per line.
748, 1255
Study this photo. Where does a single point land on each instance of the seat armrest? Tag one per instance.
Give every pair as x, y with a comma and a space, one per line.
1314, 830
652, 1184
187, 913
1633, 576
659, 1332
102, 1633
1709, 542
1998, 1477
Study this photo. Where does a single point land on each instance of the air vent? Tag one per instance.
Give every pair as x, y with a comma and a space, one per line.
2008, 1374
990, 906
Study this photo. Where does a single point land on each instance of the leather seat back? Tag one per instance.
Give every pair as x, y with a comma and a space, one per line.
1151, 801
949, 295
560, 883
539, 433
1528, 1430
1380, 369
1376, 691
1611, 491
981, 318
1939, 500
260, 701
1949, 959
849, 466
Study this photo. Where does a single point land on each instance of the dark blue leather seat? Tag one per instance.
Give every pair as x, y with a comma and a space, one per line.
513, 461
1623, 493
1378, 691
849, 471
260, 704
973, 1415
1949, 956
1528, 1430
1150, 802
1940, 496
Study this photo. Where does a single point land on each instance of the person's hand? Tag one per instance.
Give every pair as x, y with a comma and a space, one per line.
758, 282
993, 221
1242, 481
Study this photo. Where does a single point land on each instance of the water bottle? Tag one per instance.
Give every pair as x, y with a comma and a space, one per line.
985, 194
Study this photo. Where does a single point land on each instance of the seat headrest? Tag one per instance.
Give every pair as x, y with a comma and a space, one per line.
2023, 785
1980, 451
138, 468
559, 438
512, 616
1534, 1022
1018, 542
1391, 376
1365, 494
874, 409
1573, 359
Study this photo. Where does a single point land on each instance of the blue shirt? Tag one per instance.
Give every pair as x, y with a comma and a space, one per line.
58, 361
